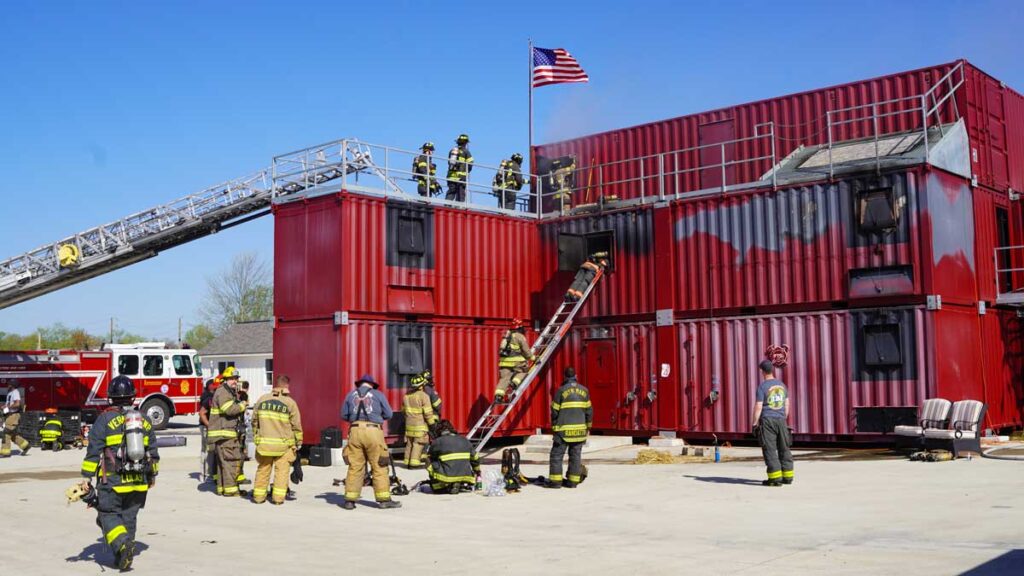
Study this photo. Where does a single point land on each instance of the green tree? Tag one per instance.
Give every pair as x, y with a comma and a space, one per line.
242, 294
199, 336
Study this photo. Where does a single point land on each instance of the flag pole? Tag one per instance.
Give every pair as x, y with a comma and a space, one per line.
529, 80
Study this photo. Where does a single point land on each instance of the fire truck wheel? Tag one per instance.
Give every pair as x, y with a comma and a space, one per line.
158, 412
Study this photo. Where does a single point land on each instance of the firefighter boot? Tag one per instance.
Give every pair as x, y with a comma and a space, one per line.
389, 504
348, 505
124, 556
773, 483
549, 483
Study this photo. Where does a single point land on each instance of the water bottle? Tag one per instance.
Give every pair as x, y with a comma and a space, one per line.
718, 455
479, 484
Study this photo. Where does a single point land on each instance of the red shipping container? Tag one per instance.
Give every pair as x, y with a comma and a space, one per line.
353, 253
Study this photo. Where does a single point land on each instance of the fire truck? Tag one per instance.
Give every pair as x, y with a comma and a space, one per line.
168, 381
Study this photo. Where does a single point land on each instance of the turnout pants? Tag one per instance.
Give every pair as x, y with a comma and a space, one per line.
507, 199
229, 466
456, 190
414, 448
775, 443
209, 453
117, 515
424, 190
11, 433
558, 449
510, 377
366, 445
280, 465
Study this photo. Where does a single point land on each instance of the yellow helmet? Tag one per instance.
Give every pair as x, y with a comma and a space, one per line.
229, 372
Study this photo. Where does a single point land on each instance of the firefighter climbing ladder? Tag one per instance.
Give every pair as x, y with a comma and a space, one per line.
145, 234
543, 348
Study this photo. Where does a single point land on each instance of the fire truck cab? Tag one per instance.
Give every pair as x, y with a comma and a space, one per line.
168, 381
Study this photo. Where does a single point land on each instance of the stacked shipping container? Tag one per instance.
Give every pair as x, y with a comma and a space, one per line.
876, 313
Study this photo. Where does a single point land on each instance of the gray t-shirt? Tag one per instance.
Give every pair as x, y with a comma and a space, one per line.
773, 395
14, 395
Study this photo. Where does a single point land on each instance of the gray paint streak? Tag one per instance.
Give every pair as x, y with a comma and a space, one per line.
952, 220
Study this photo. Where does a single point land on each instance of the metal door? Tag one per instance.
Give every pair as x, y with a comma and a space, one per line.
714, 156
600, 376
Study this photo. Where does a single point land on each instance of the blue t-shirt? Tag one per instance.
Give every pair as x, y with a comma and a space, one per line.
367, 404
772, 394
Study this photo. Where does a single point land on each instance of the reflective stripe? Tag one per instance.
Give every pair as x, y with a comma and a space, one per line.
351, 496
116, 531
279, 441
126, 488
575, 478
231, 489
787, 473
555, 477
511, 361
455, 456
411, 410
568, 427
259, 492
214, 411
222, 434
409, 428
274, 416
585, 404
90, 467
115, 439
156, 466
436, 476
382, 496
280, 491
556, 406
775, 475
226, 405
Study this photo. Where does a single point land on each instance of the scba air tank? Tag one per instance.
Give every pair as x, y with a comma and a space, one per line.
134, 446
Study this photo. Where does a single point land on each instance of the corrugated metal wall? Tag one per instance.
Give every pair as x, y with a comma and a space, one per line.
799, 120
723, 354
628, 288
795, 246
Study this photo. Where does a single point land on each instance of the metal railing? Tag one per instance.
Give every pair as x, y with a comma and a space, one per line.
912, 109
388, 171
663, 176
1009, 266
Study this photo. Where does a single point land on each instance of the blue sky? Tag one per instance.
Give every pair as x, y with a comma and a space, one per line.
108, 108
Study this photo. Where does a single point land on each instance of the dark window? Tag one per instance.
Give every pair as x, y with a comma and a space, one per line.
268, 367
152, 365
222, 365
410, 356
410, 235
1005, 279
572, 251
182, 365
882, 345
876, 210
603, 241
128, 365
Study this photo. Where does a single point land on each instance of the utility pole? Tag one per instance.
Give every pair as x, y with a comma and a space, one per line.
39, 338
111, 341
179, 331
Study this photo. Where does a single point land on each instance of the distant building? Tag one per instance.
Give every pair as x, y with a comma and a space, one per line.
249, 347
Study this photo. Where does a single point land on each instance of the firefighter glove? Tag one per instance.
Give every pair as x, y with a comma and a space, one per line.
296, 475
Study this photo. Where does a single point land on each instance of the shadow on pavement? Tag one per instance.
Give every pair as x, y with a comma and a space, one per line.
725, 480
99, 553
1010, 563
337, 499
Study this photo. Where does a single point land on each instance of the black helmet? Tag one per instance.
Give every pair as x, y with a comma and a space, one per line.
517, 158
462, 139
427, 146
121, 390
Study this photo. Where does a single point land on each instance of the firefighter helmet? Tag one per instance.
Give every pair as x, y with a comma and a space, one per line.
462, 139
121, 390
517, 323
421, 379
517, 158
427, 146
229, 373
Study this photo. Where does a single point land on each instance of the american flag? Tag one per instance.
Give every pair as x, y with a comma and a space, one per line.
555, 66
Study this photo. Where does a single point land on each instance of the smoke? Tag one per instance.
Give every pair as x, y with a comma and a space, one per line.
581, 110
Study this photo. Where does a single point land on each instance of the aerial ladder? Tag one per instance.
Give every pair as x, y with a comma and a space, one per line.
543, 349
145, 234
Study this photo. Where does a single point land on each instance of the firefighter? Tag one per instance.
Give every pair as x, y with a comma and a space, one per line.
419, 417
123, 458
571, 418
585, 275
277, 427
508, 181
771, 410
12, 417
366, 409
453, 465
227, 409
208, 459
424, 170
52, 432
460, 164
428, 386
514, 360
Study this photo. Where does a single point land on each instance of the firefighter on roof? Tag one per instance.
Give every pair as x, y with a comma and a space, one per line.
419, 417
366, 409
123, 459
508, 181
226, 410
514, 360
424, 169
12, 417
460, 164
571, 418
277, 427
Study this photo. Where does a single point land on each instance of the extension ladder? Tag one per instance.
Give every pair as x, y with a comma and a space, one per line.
543, 348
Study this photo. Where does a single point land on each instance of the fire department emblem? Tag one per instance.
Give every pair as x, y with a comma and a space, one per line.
184, 386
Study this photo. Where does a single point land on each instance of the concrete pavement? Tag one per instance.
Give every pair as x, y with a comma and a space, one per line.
842, 516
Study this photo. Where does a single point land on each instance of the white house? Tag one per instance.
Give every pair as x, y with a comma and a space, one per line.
249, 347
